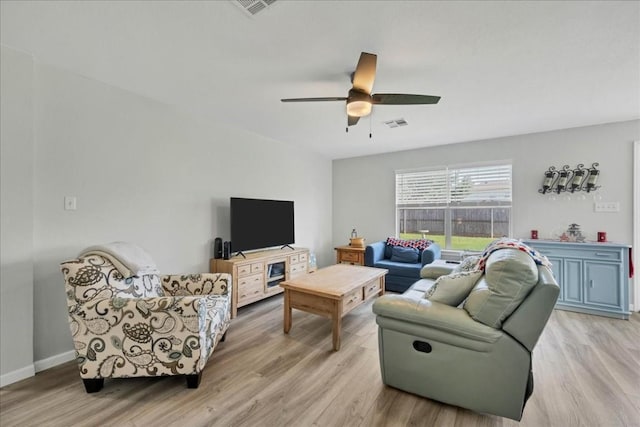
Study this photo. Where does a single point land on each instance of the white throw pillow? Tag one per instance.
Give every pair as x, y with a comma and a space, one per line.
453, 288
467, 264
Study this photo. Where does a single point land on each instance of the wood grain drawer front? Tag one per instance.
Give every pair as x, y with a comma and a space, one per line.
257, 267
302, 257
299, 268
312, 303
250, 287
371, 289
351, 300
244, 270
294, 258
350, 256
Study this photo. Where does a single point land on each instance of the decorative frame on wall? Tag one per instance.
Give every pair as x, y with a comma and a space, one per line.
570, 180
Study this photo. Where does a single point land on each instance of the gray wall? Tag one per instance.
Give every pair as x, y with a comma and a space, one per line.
364, 187
141, 171
16, 251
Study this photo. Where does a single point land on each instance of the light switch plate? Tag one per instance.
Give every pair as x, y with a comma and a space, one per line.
606, 207
70, 203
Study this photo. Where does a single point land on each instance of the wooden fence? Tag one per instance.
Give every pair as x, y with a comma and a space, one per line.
469, 222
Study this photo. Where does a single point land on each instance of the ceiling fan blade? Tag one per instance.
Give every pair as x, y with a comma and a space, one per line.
403, 99
365, 72
352, 120
330, 98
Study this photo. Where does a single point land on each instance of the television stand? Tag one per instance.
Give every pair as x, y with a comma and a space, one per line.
256, 275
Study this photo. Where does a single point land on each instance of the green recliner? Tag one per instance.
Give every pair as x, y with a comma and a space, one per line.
476, 355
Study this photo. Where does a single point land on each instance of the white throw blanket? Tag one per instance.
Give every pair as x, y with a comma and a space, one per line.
129, 259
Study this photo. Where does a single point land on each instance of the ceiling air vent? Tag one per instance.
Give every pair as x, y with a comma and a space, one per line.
252, 7
396, 123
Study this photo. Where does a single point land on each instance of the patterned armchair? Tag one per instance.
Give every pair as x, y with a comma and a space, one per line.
145, 325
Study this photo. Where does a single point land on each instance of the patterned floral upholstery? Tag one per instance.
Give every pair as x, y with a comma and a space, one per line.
143, 326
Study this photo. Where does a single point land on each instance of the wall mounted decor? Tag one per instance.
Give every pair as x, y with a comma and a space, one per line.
570, 180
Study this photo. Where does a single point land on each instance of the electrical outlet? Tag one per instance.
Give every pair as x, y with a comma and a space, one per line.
70, 203
606, 207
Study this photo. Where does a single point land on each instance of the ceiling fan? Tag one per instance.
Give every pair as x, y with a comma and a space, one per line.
360, 99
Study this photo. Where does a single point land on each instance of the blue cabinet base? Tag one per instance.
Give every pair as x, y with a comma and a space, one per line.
593, 277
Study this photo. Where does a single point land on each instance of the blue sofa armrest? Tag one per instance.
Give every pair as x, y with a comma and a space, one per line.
430, 254
373, 253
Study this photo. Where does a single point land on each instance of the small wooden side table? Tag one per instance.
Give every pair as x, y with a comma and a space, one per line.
349, 254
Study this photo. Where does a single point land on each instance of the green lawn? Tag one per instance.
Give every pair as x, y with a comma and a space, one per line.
457, 242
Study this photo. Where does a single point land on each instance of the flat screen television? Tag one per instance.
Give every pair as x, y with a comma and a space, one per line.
260, 223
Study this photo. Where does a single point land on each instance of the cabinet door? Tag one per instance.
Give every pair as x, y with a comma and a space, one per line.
602, 280
558, 273
572, 280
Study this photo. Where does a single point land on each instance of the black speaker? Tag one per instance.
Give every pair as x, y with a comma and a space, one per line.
217, 248
226, 251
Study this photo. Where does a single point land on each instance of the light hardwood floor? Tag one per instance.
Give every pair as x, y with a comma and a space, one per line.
586, 369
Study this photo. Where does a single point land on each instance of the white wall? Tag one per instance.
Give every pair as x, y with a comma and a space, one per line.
144, 172
16, 215
364, 192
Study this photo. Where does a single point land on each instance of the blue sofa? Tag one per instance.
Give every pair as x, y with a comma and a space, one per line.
401, 274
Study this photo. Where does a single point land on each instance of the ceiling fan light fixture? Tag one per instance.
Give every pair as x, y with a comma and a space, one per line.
358, 103
358, 108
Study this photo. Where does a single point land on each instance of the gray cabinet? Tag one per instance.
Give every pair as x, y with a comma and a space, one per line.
593, 277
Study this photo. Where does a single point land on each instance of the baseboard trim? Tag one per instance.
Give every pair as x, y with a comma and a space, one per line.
56, 360
17, 375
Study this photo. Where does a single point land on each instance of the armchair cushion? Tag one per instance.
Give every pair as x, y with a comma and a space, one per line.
402, 254
452, 289
510, 274
96, 277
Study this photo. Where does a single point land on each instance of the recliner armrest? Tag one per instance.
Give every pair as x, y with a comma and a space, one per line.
434, 315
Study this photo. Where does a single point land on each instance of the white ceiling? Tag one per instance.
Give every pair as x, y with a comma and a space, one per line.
502, 68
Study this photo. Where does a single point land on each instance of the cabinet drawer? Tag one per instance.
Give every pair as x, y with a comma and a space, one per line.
294, 258
371, 288
574, 251
350, 256
351, 300
257, 267
244, 270
298, 268
302, 257
250, 287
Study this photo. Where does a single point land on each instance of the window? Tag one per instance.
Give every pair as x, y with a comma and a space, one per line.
459, 208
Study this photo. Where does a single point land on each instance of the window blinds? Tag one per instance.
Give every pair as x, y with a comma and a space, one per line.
469, 186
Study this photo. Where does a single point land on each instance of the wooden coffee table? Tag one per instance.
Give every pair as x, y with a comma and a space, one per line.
332, 292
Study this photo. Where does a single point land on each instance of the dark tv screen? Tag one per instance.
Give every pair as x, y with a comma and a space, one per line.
259, 223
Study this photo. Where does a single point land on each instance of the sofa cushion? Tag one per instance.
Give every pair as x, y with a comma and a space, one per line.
402, 254
453, 288
400, 268
423, 285
435, 270
510, 274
